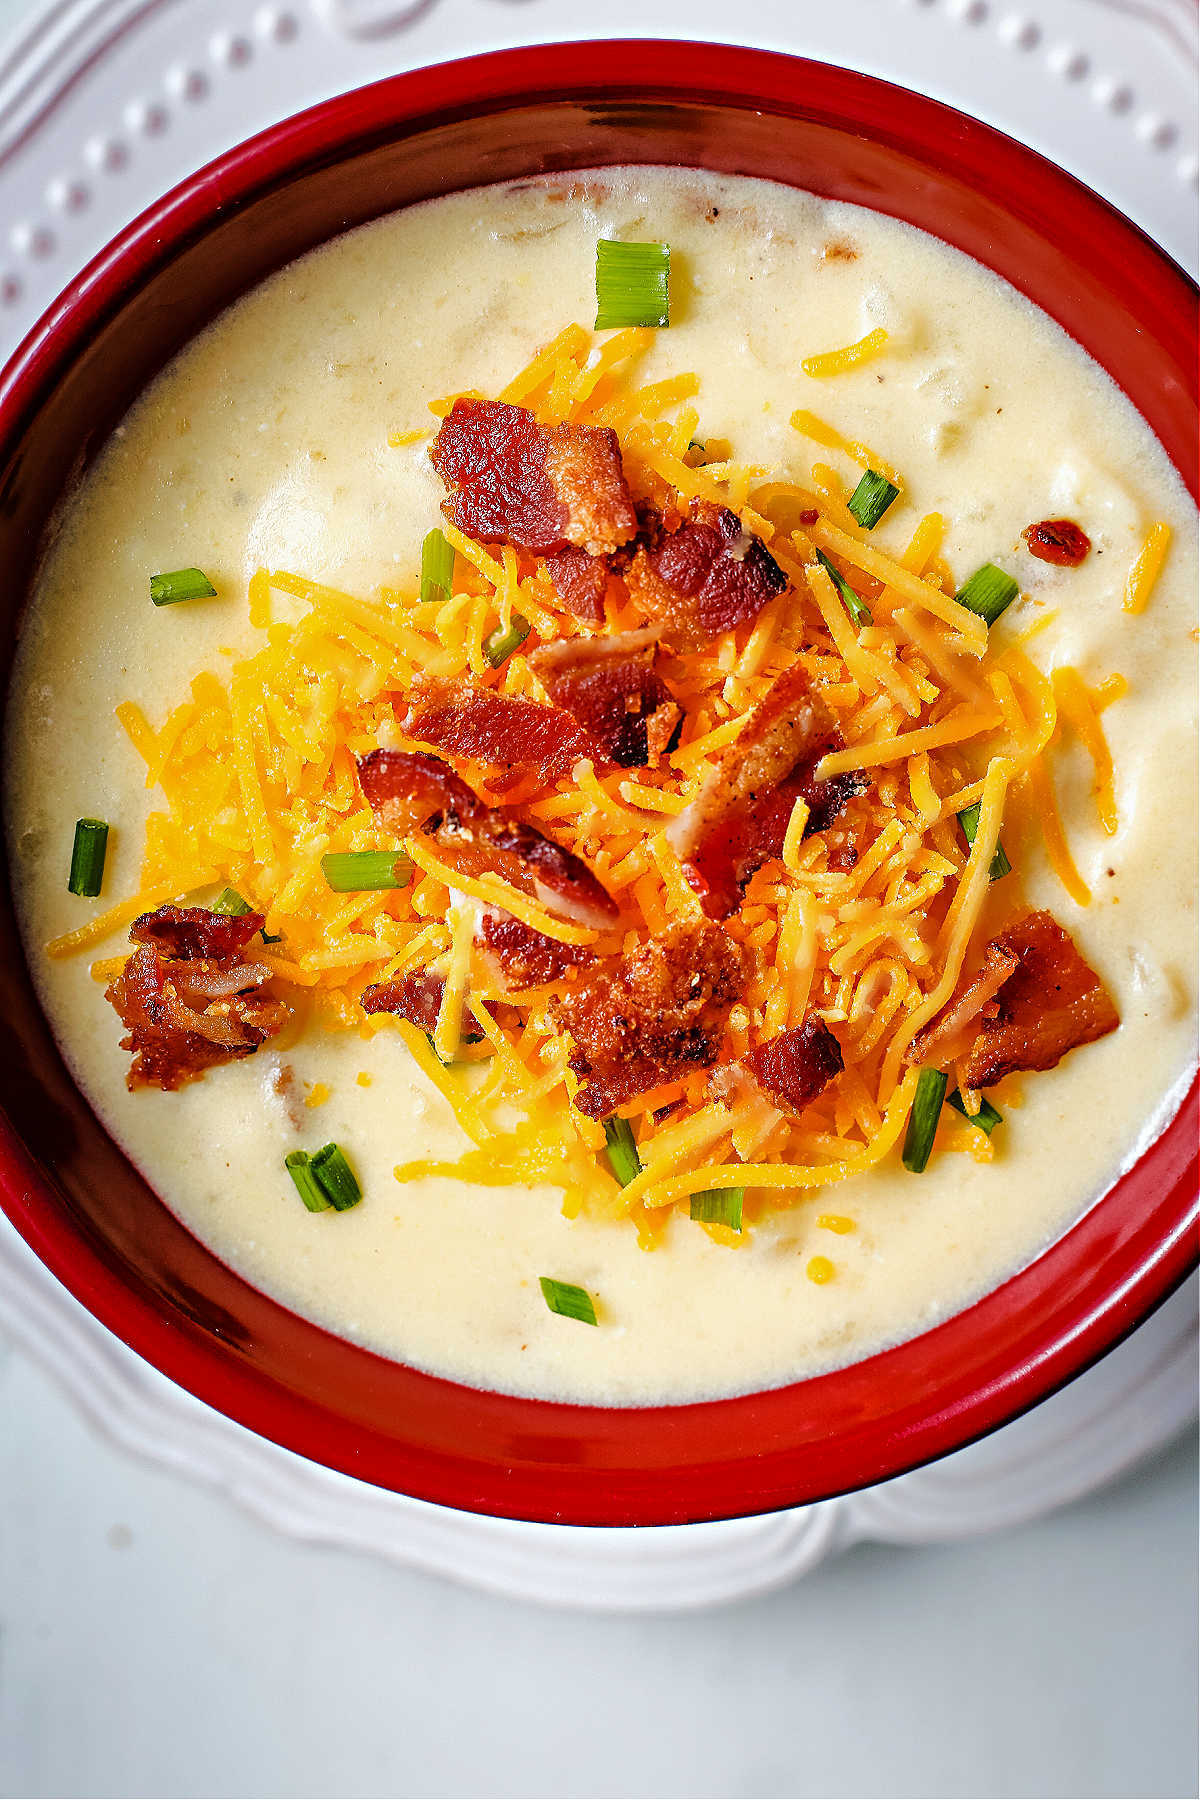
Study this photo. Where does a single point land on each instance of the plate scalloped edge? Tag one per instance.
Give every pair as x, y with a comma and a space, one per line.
1127, 1406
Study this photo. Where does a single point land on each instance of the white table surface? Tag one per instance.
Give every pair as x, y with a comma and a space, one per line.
156, 1641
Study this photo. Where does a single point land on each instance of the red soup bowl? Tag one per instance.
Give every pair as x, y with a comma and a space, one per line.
70, 1191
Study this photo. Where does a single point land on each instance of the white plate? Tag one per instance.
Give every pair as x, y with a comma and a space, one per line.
104, 104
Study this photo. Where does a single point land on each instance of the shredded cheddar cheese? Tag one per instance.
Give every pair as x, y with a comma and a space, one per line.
836, 362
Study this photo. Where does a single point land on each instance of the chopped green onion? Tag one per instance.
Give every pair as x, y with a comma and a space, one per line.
633, 284
356, 871
871, 499
968, 818
922, 1124
718, 1206
268, 939
335, 1177
437, 567
87, 857
987, 1118
858, 609
299, 1166
988, 592
180, 584
230, 902
565, 1298
499, 645
621, 1150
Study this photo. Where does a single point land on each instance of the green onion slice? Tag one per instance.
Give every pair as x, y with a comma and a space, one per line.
268, 939
871, 499
565, 1298
987, 1118
437, 567
180, 584
968, 818
299, 1166
355, 871
858, 609
229, 901
718, 1206
335, 1177
87, 857
988, 592
621, 1150
499, 645
922, 1124
633, 284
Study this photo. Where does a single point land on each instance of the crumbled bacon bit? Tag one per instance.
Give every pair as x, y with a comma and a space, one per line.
417, 997
580, 581
739, 819
809, 516
514, 480
651, 1016
405, 789
703, 578
1058, 541
502, 729
527, 957
795, 1066
498, 844
188, 997
1051, 1003
625, 705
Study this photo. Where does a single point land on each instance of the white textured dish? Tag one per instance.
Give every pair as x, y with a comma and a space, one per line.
104, 104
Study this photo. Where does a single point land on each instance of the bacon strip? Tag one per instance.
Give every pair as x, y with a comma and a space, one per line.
795, 1066
188, 997
417, 997
405, 788
1051, 1003
651, 1016
514, 480
947, 1037
739, 819
703, 578
625, 705
520, 736
527, 958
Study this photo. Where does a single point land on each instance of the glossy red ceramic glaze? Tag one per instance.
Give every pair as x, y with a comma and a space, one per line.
71, 1192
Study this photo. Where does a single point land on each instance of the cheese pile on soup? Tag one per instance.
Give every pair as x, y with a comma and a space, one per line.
628, 863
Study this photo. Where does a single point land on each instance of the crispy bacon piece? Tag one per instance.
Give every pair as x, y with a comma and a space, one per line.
528, 958
1058, 541
188, 997
1051, 1003
651, 1016
405, 788
955, 1027
417, 997
739, 819
621, 700
514, 480
703, 578
580, 581
795, 1066
522, 736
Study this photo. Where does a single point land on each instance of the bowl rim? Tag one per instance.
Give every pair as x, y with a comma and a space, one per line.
1028, 1360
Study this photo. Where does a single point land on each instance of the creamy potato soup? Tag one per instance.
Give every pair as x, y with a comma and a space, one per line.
294, 436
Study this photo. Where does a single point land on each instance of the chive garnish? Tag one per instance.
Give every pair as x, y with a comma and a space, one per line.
87, 857
922, 1124
871, 499
988, 592
298, 1164
858, 609
565, 1298
437, 567
230, 902
355, 871
499, 645
621, 1150
633, 284
718, 1206
335, 1177
968, 818
180, 584
987, 1118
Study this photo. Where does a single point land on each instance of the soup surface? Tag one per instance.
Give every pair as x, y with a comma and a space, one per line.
265, 444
